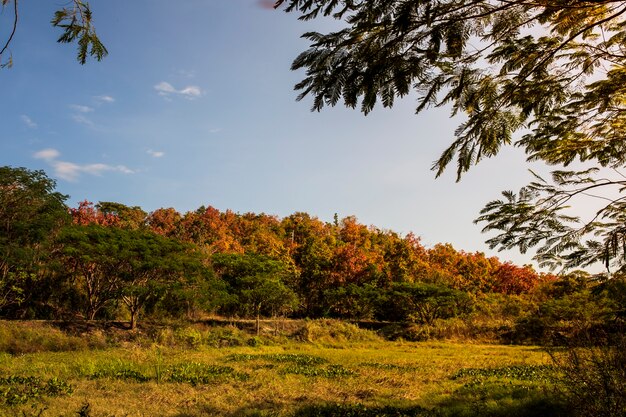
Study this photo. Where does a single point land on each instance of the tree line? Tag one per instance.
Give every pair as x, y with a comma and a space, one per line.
112, 261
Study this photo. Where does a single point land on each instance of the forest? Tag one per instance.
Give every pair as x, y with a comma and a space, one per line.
109, 261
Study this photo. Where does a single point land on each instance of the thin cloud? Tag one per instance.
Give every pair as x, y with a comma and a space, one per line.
187, 74
155, 154
71, 171
47, 154
104, 99
81, 119
81, 109
166, 89
28, 121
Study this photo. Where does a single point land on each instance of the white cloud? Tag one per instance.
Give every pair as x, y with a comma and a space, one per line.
104, 99
215, 130
155, 154
191, 91
71, 171
29, 122
82, 109
166, 89
47, 154
80, 119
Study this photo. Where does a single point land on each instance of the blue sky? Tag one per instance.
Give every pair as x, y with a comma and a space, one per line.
195, 106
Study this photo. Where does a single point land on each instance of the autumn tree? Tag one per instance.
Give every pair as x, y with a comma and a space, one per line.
551, 71
164, 221
87, 213
127, 217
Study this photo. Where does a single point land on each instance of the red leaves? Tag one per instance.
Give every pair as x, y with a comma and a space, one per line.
87, 214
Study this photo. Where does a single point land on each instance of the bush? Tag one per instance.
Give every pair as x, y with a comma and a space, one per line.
30, 337
333, 331
593, 378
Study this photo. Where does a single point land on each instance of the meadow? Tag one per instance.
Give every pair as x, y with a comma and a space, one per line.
313, 368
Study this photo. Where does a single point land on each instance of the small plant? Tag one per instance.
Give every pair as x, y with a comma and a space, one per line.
300, 359
120, 370
536, 373
16, 389
198, 373
391, 366
84, 410
331, 371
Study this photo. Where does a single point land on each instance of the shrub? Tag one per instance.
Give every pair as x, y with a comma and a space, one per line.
594, 378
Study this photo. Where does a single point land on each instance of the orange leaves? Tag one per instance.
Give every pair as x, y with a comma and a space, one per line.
87, 214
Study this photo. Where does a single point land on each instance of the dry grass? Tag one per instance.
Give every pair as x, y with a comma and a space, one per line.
378, 373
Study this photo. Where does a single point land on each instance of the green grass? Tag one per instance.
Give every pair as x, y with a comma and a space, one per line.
366, 377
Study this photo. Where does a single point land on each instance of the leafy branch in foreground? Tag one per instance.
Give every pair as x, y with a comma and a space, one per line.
76, 22
556, 70
537, 216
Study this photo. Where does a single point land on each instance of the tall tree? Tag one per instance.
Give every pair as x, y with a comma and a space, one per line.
554, 71
31, 212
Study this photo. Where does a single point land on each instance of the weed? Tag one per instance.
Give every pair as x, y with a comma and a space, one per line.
331, 371
20, 389
198, 373
536, 373
299, 359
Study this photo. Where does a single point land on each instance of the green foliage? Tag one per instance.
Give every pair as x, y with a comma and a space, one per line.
77, 25
15, 389
198, 373
423, 303
294, 358
121, 371
193, 373
30, 213
330, 371
257, 282
536, 373
554, 71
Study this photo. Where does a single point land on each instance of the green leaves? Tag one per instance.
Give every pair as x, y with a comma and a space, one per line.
77, 26
538, 216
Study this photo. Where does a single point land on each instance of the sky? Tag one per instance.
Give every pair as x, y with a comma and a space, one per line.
194, 105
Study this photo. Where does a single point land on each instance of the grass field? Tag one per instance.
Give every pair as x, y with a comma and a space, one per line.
276, 377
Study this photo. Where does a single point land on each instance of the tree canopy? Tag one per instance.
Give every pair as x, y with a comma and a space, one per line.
553, 72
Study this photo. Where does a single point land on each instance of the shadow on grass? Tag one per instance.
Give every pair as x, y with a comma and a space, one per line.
487, 400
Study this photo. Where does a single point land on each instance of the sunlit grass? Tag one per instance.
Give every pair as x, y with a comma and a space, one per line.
281, 379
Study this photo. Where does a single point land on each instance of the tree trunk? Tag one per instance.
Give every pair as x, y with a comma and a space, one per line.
133, 322
258, 322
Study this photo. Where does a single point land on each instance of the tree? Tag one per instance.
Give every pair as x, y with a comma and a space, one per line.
554, 71
92, 256
75, 21
423, 303
151, 265
258, 282
127, 217
31, 212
